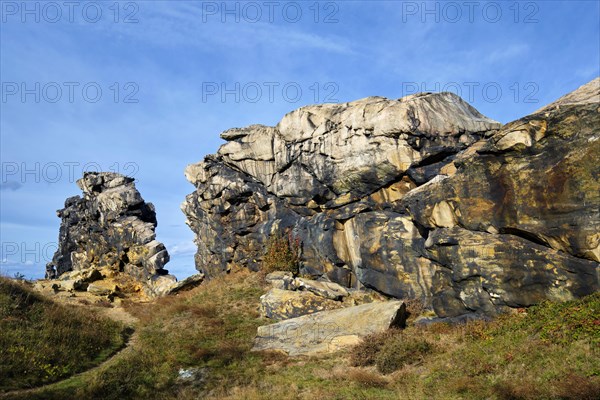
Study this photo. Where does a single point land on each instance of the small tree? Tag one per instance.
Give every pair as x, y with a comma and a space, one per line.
283, 253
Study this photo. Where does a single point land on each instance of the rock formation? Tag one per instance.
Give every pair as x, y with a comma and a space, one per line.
421, 197
329, 331
110, 229
292, 297
281, 304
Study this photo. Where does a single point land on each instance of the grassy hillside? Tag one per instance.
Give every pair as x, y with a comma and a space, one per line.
42, 342
547, 352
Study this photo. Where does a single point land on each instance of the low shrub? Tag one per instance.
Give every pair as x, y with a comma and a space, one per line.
399, 351
283, 253
579, 387
389, 351
365, 353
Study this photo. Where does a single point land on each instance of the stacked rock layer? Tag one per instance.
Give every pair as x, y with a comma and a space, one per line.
111, 229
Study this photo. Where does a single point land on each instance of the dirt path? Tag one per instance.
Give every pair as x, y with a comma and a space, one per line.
115, 313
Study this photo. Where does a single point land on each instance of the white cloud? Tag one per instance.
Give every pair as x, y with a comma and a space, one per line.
182, 248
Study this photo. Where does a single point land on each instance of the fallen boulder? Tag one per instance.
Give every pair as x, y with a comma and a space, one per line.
329, 331
283, 280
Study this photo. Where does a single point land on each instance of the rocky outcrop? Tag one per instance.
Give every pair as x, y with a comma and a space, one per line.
286, 281
318, 168
519, 220
110, 229
293, 297
421, 197
329, 331
284, 304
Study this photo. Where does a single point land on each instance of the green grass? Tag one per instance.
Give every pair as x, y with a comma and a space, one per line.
549, 352
42, 341
211, 327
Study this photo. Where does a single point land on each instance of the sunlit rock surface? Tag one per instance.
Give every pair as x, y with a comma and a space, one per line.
111, 229
421, 197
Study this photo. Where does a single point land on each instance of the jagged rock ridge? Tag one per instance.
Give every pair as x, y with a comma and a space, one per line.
421, 197
111, 229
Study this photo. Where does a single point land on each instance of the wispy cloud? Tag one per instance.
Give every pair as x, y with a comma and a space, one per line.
171, 51
180, 24
183, 248
5, 262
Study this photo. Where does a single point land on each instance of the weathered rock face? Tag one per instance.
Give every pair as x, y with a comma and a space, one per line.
421, 197
519, 221
319, 167
111, 229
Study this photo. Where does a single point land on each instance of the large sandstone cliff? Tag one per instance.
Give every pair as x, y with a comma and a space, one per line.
421, 197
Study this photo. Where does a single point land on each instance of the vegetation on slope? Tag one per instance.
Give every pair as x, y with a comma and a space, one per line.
42, 341
282, 253
547, 352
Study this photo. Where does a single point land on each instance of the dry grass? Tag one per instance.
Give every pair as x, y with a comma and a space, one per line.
366, 378
365, 353
576, 386
550, 352
390, 350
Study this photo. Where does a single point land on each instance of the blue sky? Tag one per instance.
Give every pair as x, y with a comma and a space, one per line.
173, 75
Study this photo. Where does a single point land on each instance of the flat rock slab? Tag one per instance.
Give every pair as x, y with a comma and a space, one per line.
329, 331
102, 288
186, 284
